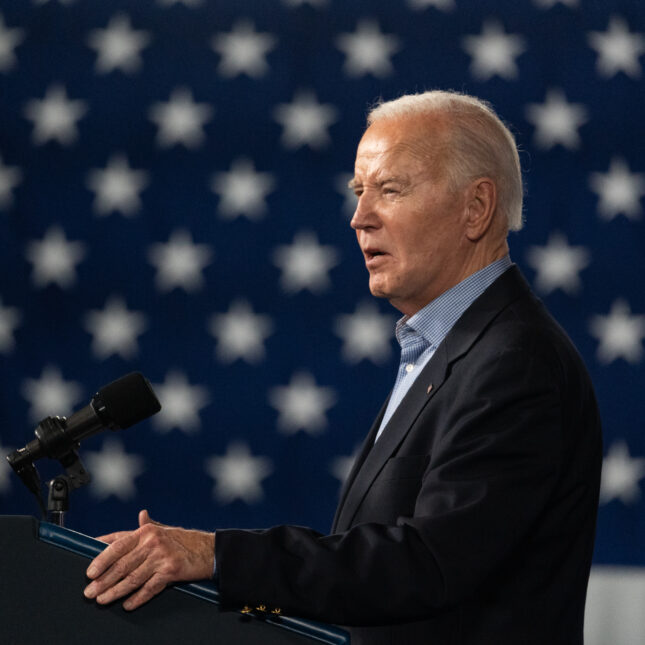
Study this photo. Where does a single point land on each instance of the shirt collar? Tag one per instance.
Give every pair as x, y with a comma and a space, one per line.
437, 318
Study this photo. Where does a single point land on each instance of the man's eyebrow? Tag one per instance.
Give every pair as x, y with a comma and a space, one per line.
392, 178
353, 183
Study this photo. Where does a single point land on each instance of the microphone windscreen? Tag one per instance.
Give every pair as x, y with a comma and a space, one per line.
129, 399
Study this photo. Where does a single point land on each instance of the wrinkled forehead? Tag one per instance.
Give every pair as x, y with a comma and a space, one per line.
413, 143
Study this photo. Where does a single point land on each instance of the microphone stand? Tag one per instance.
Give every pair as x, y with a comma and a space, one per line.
57, 445
60, 487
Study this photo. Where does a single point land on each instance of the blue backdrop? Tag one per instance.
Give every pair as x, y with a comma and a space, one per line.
173, 200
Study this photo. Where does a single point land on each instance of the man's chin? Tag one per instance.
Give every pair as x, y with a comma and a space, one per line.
379, 290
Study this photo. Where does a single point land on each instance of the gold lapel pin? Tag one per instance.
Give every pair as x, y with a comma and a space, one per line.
429, 389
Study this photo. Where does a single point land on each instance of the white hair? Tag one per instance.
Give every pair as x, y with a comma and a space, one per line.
480, 145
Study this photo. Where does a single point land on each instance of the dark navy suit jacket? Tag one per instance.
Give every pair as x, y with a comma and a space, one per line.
471, 520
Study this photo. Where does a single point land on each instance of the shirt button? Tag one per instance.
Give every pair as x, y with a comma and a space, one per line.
409, 367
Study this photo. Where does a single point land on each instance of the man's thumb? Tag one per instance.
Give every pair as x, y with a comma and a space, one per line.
144, 518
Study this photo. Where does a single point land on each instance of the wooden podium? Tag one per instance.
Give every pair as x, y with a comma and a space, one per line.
42, 577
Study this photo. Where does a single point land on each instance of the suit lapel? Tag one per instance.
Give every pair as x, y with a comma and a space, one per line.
373, 456
368, 442
376, 454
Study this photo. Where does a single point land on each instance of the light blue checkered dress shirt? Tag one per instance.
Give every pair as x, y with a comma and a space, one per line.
421, 334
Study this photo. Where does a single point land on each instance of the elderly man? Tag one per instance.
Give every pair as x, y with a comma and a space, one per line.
469, 515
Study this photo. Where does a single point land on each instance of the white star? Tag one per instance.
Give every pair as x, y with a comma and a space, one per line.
238, 474
242, 190
494, 52
620, 475
55, 116
240, 333
556, 120
113, 471
179, 263
350, 200
341, 466
10, 177
118, 46
366, 334
117, 187
50, 395
5, 470
180, 404
243, 50
9, 320
442, 5
620, 333
619, 189
305, 121
558, 265
55, 258
305, 263
115, 329
618, 49
302, 404
9, 40
367, 50
313, 3
547, 4
180, 120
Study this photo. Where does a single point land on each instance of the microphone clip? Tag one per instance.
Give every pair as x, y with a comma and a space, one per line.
60, 487
56, 444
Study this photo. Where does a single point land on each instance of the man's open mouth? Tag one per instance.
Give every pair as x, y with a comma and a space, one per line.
373, 253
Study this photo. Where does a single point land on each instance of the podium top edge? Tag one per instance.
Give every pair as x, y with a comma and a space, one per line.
89, 547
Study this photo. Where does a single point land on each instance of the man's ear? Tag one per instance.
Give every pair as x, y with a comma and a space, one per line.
481, 207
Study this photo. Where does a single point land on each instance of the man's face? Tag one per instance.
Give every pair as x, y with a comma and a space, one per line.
409, 224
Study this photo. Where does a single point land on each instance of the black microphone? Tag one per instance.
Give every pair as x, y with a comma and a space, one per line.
116, 406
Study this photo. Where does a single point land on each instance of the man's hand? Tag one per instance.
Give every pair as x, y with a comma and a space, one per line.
147, 560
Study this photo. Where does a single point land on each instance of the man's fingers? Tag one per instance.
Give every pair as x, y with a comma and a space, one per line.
117, 549
125, 585
128, 567
155, 585
113, 537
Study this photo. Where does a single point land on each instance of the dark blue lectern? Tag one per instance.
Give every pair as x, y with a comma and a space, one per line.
42, 576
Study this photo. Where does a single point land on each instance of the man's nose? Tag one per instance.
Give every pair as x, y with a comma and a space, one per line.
365, 215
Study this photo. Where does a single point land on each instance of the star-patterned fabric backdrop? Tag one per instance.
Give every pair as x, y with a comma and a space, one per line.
173, 200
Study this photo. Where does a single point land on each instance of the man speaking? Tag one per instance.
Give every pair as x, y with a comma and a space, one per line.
469, 515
